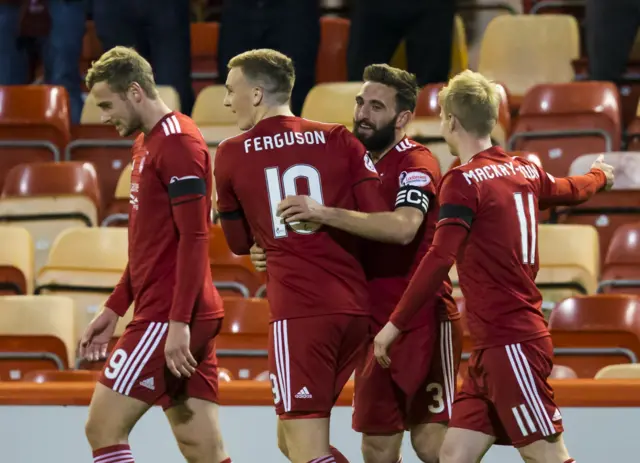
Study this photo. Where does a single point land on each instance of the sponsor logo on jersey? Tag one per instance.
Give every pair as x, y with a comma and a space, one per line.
414, 179
368, 163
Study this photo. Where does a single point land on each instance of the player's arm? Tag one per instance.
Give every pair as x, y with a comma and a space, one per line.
458, 205
567, 191
182, 168
232, 220
122, 296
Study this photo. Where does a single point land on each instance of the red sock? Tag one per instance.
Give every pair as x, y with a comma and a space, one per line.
339, 457
113, 454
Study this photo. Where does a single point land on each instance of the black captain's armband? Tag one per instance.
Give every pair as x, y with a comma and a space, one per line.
187, 186
232, 215
410, 196
456, 211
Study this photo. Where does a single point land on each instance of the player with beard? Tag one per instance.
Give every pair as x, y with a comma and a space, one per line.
417, 392
166, 356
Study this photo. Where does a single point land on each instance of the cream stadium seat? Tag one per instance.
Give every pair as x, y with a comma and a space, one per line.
91, 113
332, 103
521, 51
85, 264
569, 261
16, 260
118, 210
624, 371
36, 333
216, 122
626, 166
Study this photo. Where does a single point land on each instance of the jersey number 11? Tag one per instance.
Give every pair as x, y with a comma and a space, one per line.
274, 190
528, 226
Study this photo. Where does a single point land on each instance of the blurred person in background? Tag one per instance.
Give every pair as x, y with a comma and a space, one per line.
289, 26
56, 29
160, 30
379, 26
612, 26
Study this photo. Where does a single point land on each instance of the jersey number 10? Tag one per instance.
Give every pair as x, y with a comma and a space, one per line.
527, 226
274, 190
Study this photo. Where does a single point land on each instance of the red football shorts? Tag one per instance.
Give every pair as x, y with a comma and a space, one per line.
311, 359
137, 367
419, 386
506, 394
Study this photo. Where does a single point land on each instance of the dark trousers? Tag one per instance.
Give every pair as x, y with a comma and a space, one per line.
159, 30
611, 29
290, 26
377, 28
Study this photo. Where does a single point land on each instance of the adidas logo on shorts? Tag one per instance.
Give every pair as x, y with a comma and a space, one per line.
556, 416
304, 394
148, 383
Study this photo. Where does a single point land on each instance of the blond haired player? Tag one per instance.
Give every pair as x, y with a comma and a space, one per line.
488, 223
166, 356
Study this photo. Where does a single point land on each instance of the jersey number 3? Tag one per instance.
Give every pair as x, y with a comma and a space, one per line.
288, 181
528, 226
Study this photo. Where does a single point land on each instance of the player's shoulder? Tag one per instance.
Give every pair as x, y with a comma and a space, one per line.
178, 128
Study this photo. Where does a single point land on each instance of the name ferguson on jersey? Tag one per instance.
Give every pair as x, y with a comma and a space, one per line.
269, 142
491, 171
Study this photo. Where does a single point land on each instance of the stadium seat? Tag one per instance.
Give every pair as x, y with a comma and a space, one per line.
36, 333
117, 213
562, 372
563, 121
624, 371
332, 103
621, 270
84, 264
91, 48
243, 341
66, 376
216, 122
233, 275
521, 51
569, 258
263, 376
224, 375
47, 198
331, 64
204, 54
590, 332
34, 125
626, 165
16, 261
633, 131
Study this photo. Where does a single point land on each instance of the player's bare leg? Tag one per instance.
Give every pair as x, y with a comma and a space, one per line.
195, 426
377, 448
427, 440
464, 446
305, 439
112, 416
549, 450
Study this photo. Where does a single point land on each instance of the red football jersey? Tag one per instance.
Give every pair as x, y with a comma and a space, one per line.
496, 197
168, 275
410, 175
310, 272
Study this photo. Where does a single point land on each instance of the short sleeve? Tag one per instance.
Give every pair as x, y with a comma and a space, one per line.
419, 174
346, 144
458, 199
182, 167
227, 202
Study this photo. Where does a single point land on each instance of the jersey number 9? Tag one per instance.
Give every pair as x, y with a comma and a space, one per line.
288, 182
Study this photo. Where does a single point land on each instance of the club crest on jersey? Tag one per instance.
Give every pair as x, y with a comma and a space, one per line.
368, 163
414, 179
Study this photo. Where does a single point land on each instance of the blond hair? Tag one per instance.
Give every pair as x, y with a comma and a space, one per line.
474, 100
268, 68
119, 68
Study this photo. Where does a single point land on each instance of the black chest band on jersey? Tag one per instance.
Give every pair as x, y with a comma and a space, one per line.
411, 196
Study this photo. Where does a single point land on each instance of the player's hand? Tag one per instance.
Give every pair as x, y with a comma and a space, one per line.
383, 341
176, 350
301, 208
606, 168
258, 258
96, 337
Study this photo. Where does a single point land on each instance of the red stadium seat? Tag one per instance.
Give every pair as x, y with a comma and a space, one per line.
67, 376
331, 65
562, 121
590, 332
243, 341
34, 124
224, 375
233, 275
204, 54
621, 271
562, 372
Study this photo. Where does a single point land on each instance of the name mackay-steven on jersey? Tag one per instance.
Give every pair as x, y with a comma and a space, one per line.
279, 140
483, 173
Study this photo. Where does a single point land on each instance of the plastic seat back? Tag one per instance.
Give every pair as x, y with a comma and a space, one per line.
332, 103
16, 261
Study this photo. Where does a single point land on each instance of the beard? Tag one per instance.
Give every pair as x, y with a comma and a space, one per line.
134, 124
379, 138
